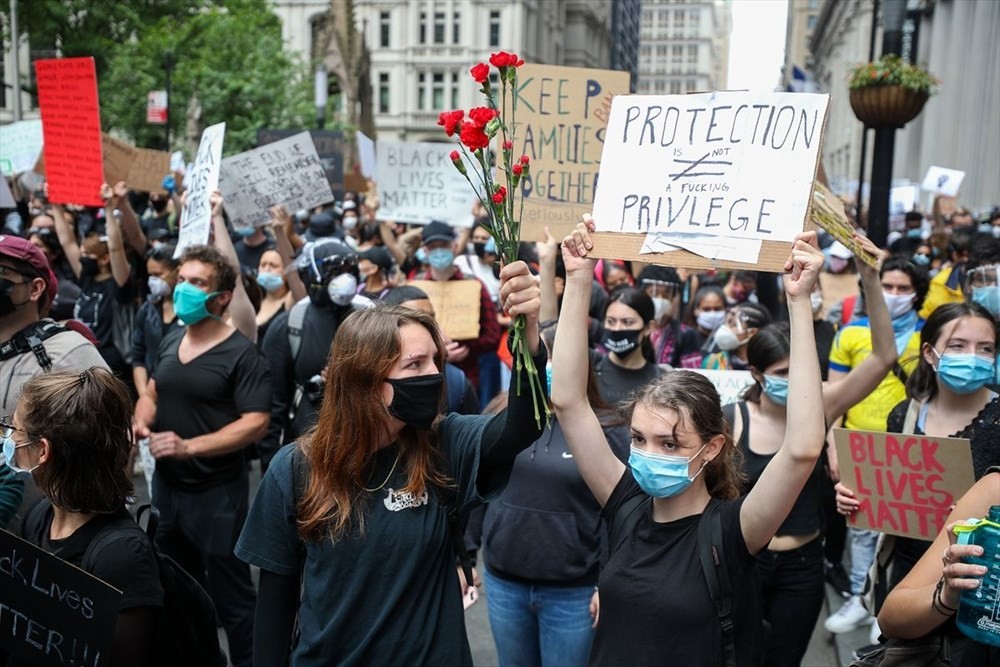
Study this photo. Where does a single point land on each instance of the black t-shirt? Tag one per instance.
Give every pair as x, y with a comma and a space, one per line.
655, 606
825, 332
204, 395
250, 255
617, 383
95, 307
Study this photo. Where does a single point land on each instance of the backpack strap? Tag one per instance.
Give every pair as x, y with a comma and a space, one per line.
109, 534
32, 339
296, 319
711, 554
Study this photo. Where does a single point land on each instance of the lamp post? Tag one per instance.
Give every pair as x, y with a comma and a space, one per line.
320, 94
168, 66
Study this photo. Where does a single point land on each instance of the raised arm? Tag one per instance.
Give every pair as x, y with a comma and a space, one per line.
839, 396
120, 269
241, 310
598, 465
67, 237
771, 499
547, 253
390, 242
282, 224
131, 229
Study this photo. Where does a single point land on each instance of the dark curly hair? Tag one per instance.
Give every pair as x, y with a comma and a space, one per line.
225, 274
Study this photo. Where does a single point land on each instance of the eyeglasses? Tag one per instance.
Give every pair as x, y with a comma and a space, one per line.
7, 429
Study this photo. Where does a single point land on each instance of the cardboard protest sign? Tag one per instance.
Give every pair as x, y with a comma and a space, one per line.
366, 156
828, 212
53, 613
942, 181
118, 157
329, 146
456, 305
561, 115
729, 384
148, 170
203, 180
725, 176
418, 183
287, 171
20, 146
71, 125
905, 484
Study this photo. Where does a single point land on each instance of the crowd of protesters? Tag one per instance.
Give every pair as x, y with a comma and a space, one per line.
388, 450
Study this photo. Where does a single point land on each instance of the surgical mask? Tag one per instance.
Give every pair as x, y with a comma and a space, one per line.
621, 342
270, 282
158, 287
816, 299
726, 339
661, 475
421, 255
988, 297
663, 308
190, 303
964, 373
710, 320
342, 289
985, 228
88, 267
441, 258
776, 389
244, 232
9, 447
921, 259
416, 400
916, 233
350, 223
899, 304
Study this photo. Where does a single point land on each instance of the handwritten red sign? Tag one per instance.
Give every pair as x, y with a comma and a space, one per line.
71, 127
905, 484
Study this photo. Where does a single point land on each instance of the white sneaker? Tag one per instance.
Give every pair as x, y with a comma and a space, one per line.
874, 633
851, 615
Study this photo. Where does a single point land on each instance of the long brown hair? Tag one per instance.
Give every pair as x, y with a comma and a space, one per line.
353, 420
696, 401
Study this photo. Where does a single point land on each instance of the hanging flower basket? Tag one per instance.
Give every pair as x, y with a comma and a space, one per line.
887, 106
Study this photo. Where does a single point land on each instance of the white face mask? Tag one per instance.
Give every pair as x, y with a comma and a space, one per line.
710, 320
158, 287
350, 222
342, 289
899, 304
663, 308
816, 298
726, 339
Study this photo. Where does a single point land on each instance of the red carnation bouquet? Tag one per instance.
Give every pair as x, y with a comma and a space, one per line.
498, 190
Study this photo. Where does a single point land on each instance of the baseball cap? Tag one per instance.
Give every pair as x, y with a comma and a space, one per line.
25, 251
378, 256
438, 231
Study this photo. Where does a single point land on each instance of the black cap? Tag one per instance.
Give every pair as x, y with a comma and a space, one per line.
378, 256
438, 231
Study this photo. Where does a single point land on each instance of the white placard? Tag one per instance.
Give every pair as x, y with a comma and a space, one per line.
902, 199
738, 165
418, 183
202, 180
287, 171
943, 181
177, 162
729, 384
20, 146
366, 156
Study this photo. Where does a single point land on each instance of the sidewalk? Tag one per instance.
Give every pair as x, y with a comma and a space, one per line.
845, 643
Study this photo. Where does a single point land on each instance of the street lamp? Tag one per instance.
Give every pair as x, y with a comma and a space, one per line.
320, 94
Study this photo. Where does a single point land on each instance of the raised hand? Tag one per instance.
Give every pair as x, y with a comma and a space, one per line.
864, 269
120, 189
216, 200
802, 267
577, 245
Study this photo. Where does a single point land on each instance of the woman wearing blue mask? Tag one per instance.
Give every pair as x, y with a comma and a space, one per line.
792, 565
949, 396
277, 295
655, 606
156, 317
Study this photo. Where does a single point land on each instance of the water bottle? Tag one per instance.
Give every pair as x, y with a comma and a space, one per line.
979, 610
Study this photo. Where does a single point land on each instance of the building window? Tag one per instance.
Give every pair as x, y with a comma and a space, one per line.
439, 27
692, 53
675, 87
437, 92
811, 21
495, 27
383, 29
383, 92
456, 28
661, 51
422, 91
679, 18
691, 85
676, 53
423, 28
661, 86
454, 90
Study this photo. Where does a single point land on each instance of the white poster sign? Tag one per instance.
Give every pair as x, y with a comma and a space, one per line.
287, 171
418, 183
202, 180
20, 146
943, 181
732, 166
902, 199
729, 384
366, 156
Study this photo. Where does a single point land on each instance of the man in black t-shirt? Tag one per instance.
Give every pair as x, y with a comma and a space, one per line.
208, 400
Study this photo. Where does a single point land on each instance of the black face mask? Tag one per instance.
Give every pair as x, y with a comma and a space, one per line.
7, 305
88, 267
480, 249
416, 400
621, 342
159, 205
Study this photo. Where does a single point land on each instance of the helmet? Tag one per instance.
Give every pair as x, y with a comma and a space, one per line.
320, 262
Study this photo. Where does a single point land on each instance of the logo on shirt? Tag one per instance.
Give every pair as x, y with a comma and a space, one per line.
401, 500
567, 455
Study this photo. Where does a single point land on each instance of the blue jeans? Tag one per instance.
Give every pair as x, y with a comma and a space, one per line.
863, 543
539, 626
489, 378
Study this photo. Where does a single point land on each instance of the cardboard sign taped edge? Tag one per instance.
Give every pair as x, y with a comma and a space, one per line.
772, 256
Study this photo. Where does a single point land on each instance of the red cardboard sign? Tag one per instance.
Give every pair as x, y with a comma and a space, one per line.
71, 127
905, 484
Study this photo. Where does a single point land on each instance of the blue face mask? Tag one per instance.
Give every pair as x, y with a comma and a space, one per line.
270, 282
9, 447
421, 255
660, 475
965, 373
190, 303
441, 258
921, 259
776, 389
988, 298
244, 232
914, 233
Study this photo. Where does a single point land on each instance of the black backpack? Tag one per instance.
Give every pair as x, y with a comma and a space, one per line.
186, 632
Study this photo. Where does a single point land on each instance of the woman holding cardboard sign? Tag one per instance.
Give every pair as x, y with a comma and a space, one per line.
792, 565
680, 498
